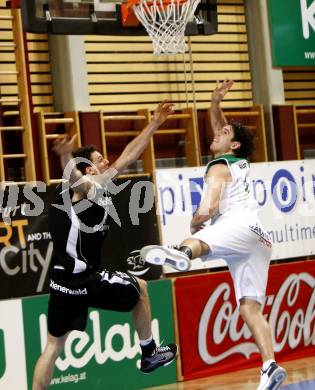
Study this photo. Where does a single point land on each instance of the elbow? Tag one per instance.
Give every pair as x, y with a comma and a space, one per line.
208, 212
131, 160
199, 218
204, 211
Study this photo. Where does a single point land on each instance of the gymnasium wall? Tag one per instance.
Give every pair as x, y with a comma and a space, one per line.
123, 74
299, 85
40, 71
8, 83
39, 65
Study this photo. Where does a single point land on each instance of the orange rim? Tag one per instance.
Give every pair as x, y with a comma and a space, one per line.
150, 3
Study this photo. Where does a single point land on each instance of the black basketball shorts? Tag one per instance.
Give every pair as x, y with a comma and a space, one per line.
70, 297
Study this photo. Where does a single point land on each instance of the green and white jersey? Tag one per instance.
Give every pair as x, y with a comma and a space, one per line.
236, 194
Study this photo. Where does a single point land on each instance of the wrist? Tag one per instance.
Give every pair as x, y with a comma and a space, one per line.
67, 155
155, 124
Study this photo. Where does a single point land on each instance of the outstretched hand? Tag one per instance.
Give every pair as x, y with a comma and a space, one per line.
162, 111
64, 145
221, 90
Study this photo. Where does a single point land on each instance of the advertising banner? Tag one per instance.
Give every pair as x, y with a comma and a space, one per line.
284, 192
25, 240
12, 347
26, 246
292, 25
213, 337
107, 355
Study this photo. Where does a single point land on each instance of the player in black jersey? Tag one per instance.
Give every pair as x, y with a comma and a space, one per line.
78, 224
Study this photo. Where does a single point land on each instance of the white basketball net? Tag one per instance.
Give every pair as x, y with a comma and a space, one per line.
166, 23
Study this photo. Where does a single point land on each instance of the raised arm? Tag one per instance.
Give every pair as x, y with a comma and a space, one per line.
217, 117
137, 146
84, 183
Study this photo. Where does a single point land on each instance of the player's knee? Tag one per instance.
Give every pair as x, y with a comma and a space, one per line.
243, 312
245, 309
205, 248
55, 345
248, 308
143, 287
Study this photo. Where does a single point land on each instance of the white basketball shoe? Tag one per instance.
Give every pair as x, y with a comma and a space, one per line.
272, 378
161, 255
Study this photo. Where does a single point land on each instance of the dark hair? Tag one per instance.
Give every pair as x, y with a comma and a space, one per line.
245, 136
85, 152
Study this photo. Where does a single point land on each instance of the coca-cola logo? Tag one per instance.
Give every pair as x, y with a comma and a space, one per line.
291, 318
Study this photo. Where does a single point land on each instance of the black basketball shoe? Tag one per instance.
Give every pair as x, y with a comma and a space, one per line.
161, 356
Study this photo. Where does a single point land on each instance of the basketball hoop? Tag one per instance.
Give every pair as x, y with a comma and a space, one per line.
165, 21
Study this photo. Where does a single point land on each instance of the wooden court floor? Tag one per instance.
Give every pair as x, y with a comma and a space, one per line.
301, 376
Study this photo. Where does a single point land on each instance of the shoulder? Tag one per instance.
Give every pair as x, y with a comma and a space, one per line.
226, 160
218, 173
217, 169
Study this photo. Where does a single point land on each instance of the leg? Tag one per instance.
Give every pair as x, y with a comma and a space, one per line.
141, 313
132, 296
250, 311
45, 364
153, 357
272, 375
198, 248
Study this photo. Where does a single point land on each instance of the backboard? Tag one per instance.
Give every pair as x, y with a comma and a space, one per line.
100, 17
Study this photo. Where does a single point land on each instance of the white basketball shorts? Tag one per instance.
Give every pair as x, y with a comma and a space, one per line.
244, 244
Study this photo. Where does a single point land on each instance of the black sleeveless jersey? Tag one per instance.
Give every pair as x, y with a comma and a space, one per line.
78, 229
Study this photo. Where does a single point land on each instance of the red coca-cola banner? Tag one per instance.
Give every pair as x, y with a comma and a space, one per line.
215, 340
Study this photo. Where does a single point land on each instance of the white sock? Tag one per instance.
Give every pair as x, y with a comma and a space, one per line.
147, 341
267, 364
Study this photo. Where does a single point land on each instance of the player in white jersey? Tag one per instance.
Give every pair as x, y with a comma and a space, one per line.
226, 226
